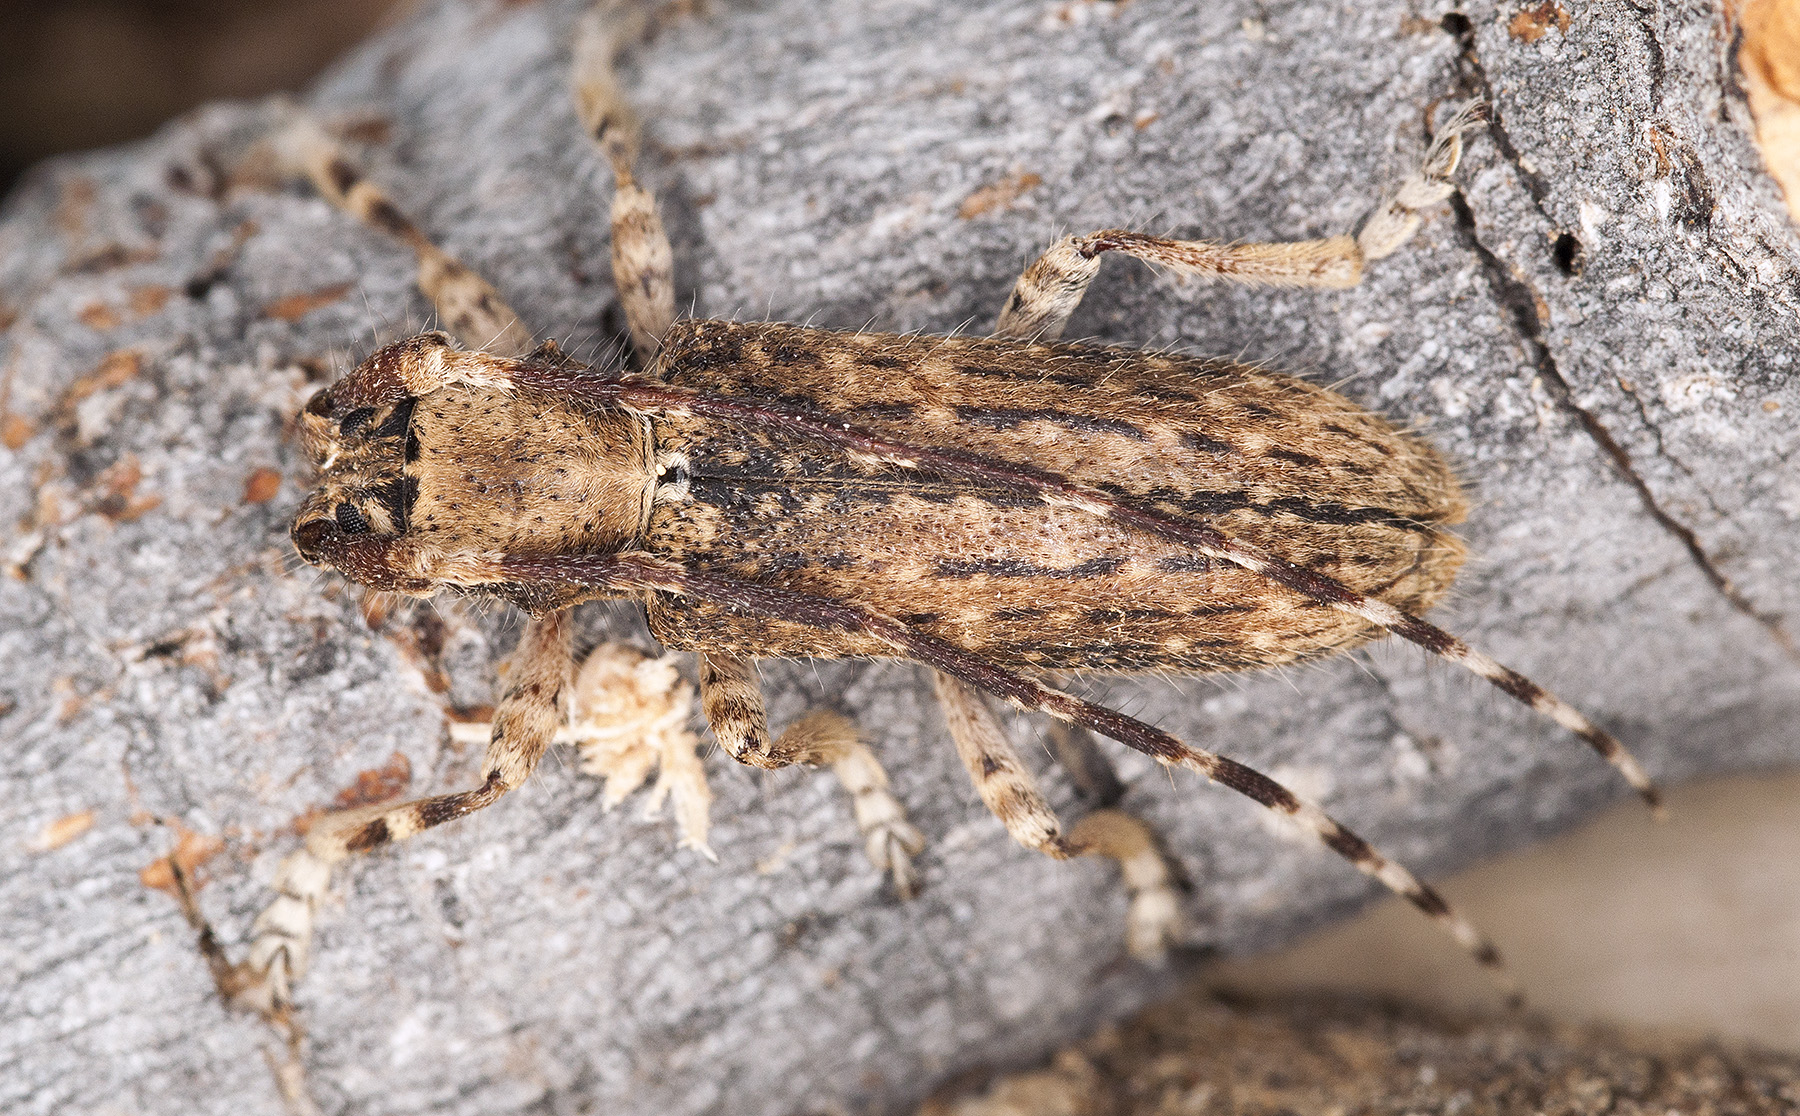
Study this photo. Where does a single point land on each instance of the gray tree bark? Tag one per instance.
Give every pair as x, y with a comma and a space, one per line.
1599, 332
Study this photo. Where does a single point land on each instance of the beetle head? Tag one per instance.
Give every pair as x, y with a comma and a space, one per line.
358, 432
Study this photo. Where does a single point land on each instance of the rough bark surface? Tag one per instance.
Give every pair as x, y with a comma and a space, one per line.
1199, 1055
1600, 333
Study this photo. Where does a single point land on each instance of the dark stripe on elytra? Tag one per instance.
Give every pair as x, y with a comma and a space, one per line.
1305, 460
1009, 567
1184, 563
739, 487
1220, 609
1006, 418
1116, 615
1193, 439
1165, 395
712, 348
794, 355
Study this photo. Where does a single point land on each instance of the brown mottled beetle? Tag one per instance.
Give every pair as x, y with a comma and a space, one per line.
998, 509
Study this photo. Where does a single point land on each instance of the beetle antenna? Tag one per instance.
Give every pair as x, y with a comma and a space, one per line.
638, 570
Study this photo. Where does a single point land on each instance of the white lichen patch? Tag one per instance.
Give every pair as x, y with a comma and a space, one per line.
629, 719
1694, 390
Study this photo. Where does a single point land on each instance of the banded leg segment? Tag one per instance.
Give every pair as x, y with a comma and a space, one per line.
465, 302
829, 739
525, 722
731, 697
1153, 916
1006, 786
1051, 288
1152, 877
638, 571
643, 262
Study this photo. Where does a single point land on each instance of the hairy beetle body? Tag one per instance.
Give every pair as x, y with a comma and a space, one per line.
1275, 461
998, 510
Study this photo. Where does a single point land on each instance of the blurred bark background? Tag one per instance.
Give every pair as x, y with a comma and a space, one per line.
84, 73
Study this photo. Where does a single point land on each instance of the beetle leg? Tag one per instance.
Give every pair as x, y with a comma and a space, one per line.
642, 261
1001, 778
525, 723
642, 571
1153, 918
465, 302
1089, 769
1051, 288
826, 738
731, 697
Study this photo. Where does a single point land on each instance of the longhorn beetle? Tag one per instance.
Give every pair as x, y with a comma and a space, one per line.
999, 509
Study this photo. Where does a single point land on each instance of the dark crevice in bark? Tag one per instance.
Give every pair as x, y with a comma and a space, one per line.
1663, 451
1659, 66
1520, 303
1475, 76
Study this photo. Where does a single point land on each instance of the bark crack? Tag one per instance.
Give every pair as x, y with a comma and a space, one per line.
1475, 74
1520, 304
1663, 451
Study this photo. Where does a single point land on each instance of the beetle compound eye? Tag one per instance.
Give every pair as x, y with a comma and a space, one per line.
350, 521
355, 420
